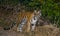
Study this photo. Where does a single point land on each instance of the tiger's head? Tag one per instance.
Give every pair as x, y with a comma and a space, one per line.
37, 12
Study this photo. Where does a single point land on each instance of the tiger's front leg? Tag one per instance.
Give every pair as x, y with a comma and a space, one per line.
33, 27
33, 23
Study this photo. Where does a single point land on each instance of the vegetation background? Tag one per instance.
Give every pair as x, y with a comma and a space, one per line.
50, 8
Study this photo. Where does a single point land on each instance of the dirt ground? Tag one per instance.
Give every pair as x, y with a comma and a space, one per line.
46, 30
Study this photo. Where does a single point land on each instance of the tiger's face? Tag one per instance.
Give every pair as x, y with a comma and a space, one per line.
36, 13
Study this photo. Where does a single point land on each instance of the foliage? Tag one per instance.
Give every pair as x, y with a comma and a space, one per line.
9, 2
51, 11
31, 4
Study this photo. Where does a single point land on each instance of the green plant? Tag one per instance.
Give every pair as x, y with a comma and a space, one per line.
31, 4
9, 2
51, 11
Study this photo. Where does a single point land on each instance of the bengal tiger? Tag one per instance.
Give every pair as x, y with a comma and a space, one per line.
31, 19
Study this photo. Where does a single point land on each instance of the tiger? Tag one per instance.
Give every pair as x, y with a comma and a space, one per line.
32, 18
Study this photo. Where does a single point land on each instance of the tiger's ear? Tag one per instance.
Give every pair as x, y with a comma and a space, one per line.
39, 11
35, 11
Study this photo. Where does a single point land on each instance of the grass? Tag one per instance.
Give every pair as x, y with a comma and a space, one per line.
47, 30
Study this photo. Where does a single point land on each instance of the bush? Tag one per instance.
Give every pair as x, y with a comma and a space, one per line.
51, 11
31, 4
9, 2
